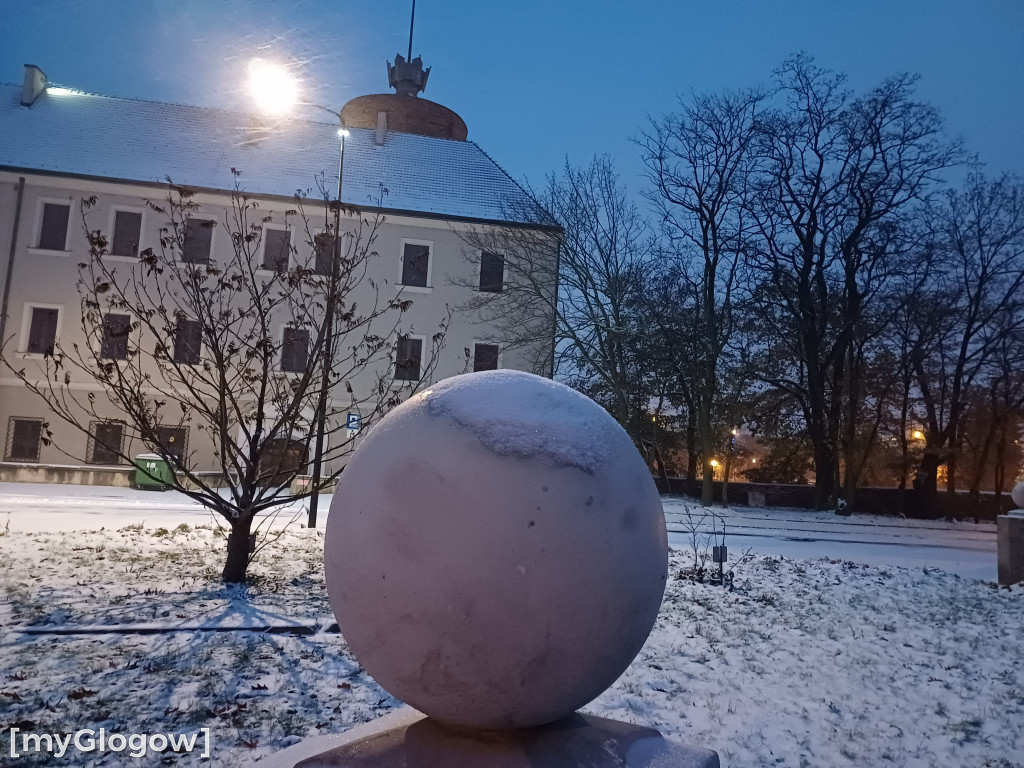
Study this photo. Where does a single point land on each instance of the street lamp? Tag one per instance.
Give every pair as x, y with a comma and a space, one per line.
272, 87
276, 92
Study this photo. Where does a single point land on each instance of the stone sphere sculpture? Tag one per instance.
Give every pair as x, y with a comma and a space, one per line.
496, 551
1017, 494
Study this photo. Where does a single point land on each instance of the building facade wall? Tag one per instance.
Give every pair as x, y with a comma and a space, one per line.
46, 278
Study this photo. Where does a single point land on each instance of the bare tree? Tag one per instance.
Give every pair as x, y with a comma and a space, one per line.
235, 351
969, 316
587, 238
700, 163
837, 169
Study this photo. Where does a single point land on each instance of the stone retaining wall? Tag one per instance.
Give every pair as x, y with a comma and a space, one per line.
877, 501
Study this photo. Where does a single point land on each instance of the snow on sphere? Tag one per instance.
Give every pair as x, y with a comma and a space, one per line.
496, 552
1017, 494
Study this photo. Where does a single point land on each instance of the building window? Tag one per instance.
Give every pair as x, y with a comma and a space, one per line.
415, 264
492, 272
188, 341
277, 246
195, 248
115, 337
24, 436
324, 253
106, 439
127, 233
42, 331
485, 357
172, 441
407, 358
295, 350
53, 230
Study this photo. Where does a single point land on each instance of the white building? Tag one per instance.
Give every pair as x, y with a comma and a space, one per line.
405, 159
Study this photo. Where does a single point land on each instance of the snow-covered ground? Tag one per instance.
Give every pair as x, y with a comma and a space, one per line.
962, 548
808, 662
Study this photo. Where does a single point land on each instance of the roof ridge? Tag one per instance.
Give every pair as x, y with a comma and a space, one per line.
221, 110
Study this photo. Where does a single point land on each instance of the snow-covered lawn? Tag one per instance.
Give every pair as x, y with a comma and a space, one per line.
805, 663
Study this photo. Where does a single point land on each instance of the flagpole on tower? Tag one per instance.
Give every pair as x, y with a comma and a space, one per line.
412, 21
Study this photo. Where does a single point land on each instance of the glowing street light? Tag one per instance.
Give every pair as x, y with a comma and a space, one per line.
714, 463
918, 434
275, 90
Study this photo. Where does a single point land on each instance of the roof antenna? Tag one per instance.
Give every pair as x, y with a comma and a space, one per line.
411, 22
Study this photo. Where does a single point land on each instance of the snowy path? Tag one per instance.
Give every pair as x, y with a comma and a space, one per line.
965, 549
42, 508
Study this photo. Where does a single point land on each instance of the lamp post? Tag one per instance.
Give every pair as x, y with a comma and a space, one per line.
276, 92
332, 286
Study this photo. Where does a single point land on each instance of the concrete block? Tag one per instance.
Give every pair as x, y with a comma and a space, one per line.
1010, 543
408, 739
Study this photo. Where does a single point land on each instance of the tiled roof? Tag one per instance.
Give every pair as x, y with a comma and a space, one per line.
133, 140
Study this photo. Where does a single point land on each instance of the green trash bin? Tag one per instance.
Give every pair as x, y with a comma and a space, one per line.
152, 472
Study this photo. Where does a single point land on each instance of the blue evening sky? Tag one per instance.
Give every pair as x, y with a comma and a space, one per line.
537, 81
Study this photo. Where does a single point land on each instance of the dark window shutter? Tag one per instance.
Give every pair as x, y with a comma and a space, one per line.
295, 350
26, 435
172, 441
415, 263
198, 237
106, 445
188, 341
115, 337
277, 244
127, 231
324, 247
42, 333
53, 234
492, 272
407, 358
485, 357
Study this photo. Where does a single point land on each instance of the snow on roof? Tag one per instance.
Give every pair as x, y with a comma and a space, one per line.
147, 141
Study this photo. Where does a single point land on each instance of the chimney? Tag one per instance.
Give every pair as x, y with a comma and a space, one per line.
35, 84
382, 127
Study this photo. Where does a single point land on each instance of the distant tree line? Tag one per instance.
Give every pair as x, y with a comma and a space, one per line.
809, 276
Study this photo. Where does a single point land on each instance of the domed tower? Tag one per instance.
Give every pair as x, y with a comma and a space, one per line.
403, 110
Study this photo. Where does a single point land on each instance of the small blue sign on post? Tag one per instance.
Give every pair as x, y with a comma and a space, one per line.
354, 422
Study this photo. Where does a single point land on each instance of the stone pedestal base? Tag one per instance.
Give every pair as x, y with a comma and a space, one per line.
1010, 538
409, 739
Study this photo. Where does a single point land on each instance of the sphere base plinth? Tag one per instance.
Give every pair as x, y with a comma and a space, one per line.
409, 739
